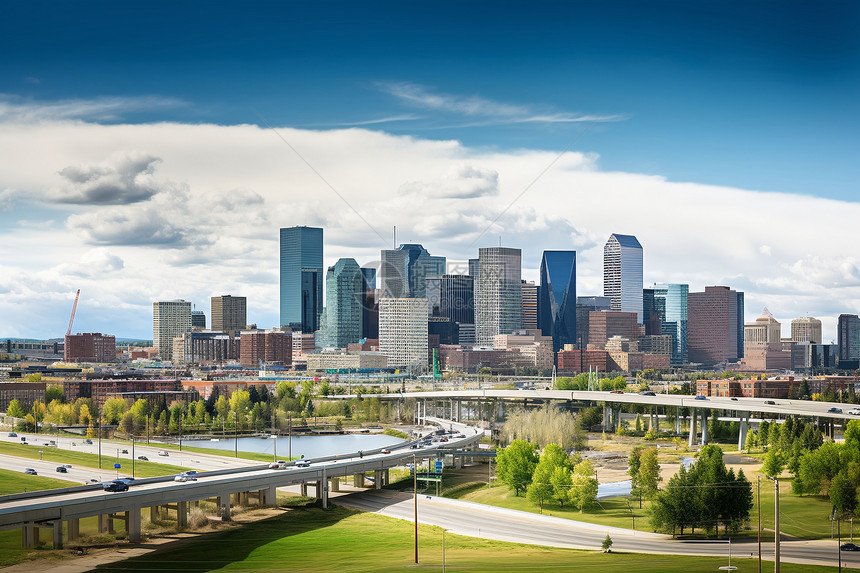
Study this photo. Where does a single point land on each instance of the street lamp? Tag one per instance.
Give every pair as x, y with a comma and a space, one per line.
415, 501
275, 454
775, 524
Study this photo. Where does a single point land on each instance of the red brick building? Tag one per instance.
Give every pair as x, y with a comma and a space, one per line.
744, 388
90, 347
265, 347
101, 390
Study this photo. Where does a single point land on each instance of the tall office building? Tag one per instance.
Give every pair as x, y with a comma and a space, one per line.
301, 278
715, 325
89, 347
403, 271
665, 313
584, 306
557, 298
530, 305
498, 294
848, 340
806, 329
403, 332
198, 319
170, 319
622, 273
369, 276
229, 313
342, 317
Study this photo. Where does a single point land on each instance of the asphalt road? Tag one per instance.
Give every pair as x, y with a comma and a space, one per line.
476, 520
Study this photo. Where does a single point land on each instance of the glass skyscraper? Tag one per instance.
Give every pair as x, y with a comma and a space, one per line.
403, 270
301, 277
622, 273
342, 316
452, 296
498, 294
848, 339
557, 297
665, 312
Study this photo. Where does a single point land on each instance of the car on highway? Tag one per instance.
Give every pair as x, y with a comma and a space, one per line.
12, 435
302, 463
701, 397
276, 466
88, 442
770, 402
115, 485
834, 410
163, 453
733, 399
62, 469
123, 451
30, 471
143, 458
849, 547
647, 393
386, 451
854, 412
616, 391
184, 477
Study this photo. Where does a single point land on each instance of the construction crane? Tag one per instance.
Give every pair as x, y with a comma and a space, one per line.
74, 308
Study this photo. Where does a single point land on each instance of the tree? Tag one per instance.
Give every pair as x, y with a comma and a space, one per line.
562, 481
774, 463
634, 462
14, 409
54, 393
607, 544
541, 488
516, 464
649, 472
583, 490
113, 409
843, 494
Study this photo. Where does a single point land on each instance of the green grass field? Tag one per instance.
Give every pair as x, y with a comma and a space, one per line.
339, 539
141, 469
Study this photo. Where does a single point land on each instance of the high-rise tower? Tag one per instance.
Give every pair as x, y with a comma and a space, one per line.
498, 294
229, 313
170, 319
403, 270
342, 317
665, 308
557, 297
301, 277
622, 273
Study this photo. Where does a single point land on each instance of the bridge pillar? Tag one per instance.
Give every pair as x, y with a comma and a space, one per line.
132, 525
692, 441
269, 496
705, 428
742, 435
617, 419
459, 409
223, 502
377, 479
182, 514
677, 419
57, 527
358, 479
153, 514
335, 484
386, 477
74, 528
30, 536
304, 489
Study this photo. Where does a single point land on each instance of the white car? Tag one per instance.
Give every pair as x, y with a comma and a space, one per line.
184, 477
302, 463
854, 412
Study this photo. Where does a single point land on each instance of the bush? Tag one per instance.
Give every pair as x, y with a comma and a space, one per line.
197, 518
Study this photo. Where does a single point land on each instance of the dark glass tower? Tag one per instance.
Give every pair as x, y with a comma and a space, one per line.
557, 297
301, 277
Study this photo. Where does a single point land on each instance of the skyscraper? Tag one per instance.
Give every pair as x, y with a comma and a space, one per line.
342, 317
498, 294
715, 325
806, 329
229, 313
584, 306
848, 339
403, 331
169, 319
198, 319
665, 312
404, 270
622, 273
530, 304
557, 298
301, 277
453, 297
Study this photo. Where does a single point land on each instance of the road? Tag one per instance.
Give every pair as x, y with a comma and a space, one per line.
477, 520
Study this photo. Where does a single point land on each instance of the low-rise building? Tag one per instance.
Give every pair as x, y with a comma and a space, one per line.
363, 360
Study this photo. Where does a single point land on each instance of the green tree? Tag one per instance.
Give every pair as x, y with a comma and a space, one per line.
54, 393
774, 463
516, 464
634, 462
607, 543
562, 481
14, 409
750, 442
113, 410
649, 472
843, 494
583, 489
541, 488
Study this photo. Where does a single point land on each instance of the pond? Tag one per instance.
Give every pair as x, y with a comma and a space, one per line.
297, 446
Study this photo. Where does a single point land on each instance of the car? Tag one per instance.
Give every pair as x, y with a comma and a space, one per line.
701, 397
12, 435
413, 447
94, 480
143, 458
30, 471
647, 393
302, 463
88, 441
275, 466
770, 402
62, 469
23, 438
115, 485
834, 410
854, 412
123, 451
163, 453
385, 451
849, 547
184, 477
616, 391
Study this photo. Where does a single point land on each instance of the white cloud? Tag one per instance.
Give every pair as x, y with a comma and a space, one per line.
18, 109
121, 179
222, 192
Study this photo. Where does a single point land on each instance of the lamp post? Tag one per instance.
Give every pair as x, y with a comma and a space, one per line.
290, 437
415, 501
132, 455
275, 454
775, 524
100, 439
236, 431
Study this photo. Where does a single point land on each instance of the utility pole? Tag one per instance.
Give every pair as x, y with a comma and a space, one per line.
758, 496
775, 524
415, 501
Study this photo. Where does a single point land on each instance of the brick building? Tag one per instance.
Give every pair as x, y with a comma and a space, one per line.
89, 347
265, 347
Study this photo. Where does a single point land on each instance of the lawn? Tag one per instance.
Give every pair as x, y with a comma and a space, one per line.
141, 469
340, 539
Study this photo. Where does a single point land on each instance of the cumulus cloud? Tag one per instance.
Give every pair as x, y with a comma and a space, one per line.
127, 226
122, 179
462, 182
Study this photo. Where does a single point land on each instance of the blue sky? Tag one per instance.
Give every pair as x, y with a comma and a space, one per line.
145, 158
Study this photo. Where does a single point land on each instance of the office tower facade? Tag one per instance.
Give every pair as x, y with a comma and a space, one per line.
665, 313
604, 325
170, 319
403, 271
451, 296
530, 304
848, 340
343, 314
89, 347
301, 278
498, 294
584, 306
229, 313
403, 332
257, 347
715, 325
369, 276
806, 329
622, 273
198, 319
557, 299
474, 268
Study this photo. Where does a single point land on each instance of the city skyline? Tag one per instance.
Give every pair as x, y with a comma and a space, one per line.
140, 169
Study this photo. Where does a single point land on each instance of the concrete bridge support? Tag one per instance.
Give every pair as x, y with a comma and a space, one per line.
30, 536
153, 514
678, 420
303, 489
318, 490
742, 435
182, 515
335, 484
377, 479
705, 428
223, 502
74, 529
269, 496
692, 440
57, 531
132, 525
358, 480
